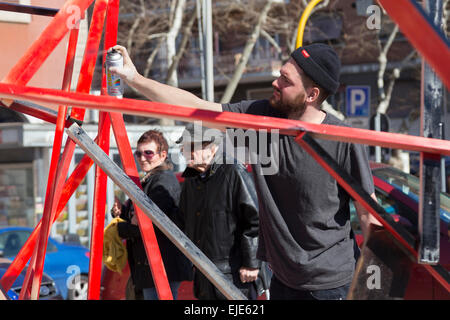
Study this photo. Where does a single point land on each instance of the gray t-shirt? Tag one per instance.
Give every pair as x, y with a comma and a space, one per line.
305, 231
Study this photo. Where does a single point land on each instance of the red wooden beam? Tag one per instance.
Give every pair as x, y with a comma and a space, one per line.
90, 53
34, 273
226, 119
35, 112
423, 35
84, 84
41, 114
95, 265
58, 170
39, 51
145, 224
98, 214
111, 29
57, 190
70, 60
48, 205
100, 188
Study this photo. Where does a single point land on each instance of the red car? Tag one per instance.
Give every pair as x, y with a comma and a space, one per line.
398, 194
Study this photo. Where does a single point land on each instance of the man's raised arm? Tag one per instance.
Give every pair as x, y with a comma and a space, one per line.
156, 91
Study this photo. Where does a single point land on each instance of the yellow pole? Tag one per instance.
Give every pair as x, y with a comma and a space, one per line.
302, 23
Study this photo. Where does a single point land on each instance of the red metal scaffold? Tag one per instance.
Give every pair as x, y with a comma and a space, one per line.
428, 42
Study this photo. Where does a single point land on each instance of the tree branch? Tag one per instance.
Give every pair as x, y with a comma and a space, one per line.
170, 39
157, 35
231, 87
382, 59
187, 32
271, 40
134, 27
384, 104
150, 59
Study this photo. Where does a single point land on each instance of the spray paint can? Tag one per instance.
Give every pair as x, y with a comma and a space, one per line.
114, 83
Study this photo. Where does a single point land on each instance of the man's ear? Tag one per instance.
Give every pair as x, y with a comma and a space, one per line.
313, 94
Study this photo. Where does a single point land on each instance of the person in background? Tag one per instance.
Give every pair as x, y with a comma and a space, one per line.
163, 188
219, 204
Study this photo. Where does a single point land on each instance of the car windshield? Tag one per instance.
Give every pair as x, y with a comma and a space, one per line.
410, 185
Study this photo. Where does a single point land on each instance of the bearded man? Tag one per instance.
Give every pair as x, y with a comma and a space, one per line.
305, 233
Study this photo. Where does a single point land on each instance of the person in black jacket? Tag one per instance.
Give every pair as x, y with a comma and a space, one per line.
219, 203
163, 188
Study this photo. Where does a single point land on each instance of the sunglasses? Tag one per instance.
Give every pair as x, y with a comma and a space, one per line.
147, 153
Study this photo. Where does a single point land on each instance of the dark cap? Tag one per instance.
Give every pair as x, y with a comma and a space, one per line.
321, 63
194, 132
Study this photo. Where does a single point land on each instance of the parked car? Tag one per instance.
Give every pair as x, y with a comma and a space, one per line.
67, 264
398, 193
48, 289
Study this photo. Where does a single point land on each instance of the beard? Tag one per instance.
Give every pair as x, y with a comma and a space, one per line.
292, 109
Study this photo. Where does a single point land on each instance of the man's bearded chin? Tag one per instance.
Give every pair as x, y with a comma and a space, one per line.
278, 104
292, 111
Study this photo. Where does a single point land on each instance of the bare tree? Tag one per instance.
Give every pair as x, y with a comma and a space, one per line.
234, 81
385, 93
175, 26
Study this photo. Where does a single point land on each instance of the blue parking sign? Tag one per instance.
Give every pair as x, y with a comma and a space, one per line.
357, 101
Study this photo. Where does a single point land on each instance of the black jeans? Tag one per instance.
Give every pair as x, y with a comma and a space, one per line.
279, 291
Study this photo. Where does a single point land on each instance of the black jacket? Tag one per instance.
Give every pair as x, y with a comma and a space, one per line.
163, 188
221, 217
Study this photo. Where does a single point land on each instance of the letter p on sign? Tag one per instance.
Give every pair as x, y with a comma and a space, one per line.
357, 101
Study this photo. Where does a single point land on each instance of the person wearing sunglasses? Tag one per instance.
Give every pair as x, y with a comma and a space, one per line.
162, 187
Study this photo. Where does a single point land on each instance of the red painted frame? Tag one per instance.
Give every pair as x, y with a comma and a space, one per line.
58, 170
408, 15
226, 119
98, 214
39, 51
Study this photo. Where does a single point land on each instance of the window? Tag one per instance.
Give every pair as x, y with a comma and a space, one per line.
361, 7
11, 242
7, 16
17, 207
51, 247
400, 211
323, 27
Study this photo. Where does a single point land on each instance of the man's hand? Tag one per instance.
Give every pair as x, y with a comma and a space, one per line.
134, 219
248, 274
365, 218
128, 73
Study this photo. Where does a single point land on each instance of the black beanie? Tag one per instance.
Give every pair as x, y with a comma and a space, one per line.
321, 63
